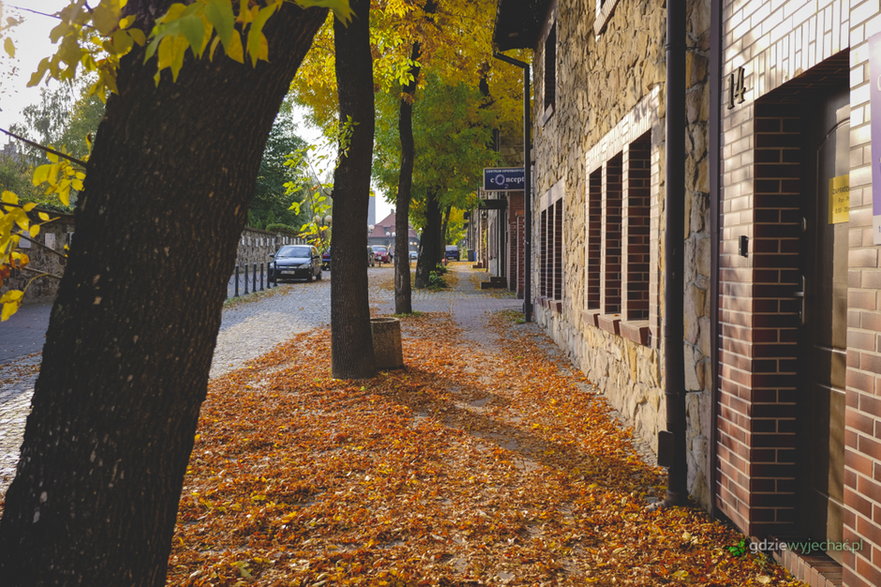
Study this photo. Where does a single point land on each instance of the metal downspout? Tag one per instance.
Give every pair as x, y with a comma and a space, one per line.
674, 242
527, 179
715, 161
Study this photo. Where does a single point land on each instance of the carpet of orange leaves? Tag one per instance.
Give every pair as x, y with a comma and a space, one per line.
468, 467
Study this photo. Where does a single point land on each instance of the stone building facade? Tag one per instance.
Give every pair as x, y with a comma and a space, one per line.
599, 204
782, 301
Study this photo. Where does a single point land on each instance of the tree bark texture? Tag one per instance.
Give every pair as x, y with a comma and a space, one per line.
403, 291
430, 243
132, 332
351, 338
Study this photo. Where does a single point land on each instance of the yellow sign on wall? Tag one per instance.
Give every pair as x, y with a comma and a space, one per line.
839, 199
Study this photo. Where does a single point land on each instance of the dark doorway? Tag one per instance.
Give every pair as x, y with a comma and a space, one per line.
799, 314
824, 312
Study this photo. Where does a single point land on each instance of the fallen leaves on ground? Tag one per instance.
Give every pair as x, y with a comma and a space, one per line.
471, 466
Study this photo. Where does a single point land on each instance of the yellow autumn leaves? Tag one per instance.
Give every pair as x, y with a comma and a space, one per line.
15, 215
92, 39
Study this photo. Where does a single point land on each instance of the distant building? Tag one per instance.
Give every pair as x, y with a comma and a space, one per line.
371, 210
383, 233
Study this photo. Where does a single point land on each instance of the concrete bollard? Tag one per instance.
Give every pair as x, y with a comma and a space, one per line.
387, 343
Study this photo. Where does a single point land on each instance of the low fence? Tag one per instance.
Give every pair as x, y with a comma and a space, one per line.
252, 257
250, 278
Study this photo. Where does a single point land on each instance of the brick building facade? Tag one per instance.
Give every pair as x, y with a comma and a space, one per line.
782, 301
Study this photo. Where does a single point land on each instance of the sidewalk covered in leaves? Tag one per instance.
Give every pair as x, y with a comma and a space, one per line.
475, 465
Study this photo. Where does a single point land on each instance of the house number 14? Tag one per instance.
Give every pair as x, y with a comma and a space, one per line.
736, 88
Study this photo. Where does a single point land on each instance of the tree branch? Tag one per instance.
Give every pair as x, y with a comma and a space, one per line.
38, 275
73, 160
42, 246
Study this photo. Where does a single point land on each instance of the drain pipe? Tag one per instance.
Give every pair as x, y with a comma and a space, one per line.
671, 443
715, 155
527, 188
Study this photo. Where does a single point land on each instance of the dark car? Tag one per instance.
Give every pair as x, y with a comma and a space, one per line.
451, 253
381, 254
295, 261
414, 254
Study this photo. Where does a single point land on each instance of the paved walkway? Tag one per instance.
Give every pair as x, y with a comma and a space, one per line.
249, 329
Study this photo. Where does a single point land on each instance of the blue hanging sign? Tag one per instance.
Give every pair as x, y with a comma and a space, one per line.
504, 179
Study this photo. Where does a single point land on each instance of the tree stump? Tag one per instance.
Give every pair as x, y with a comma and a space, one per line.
387, 343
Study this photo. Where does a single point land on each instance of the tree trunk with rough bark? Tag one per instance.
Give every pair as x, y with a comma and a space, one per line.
429, 245
351, 339
403, 291
132, 332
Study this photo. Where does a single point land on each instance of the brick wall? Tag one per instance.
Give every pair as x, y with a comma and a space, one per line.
594, 238
781, 45
862, 481
638, 228
516, 249
612, 237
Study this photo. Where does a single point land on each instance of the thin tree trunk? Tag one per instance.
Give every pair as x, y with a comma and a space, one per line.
429, 245
403, 292
132, 332
445, 227
351, 340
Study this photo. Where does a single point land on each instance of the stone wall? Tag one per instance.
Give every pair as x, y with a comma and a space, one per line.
45, 256
609, 89
255, 246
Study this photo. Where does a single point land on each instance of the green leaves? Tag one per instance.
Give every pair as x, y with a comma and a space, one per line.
15, 224
340, 8
213, 23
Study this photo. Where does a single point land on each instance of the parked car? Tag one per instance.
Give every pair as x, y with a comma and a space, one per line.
381, 254
414, 254
325, 260
451, 253
292, 261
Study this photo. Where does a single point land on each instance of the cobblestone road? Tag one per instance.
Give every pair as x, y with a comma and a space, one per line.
249, 329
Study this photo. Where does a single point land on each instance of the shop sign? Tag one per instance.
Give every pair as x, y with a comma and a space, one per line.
503, 179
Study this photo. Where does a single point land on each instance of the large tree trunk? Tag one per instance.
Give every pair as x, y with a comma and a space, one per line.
430, 244
129, 346
403, 292
351, 339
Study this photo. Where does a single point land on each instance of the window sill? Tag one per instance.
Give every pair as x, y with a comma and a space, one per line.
610, 323
637, 331
589, 317
550, 304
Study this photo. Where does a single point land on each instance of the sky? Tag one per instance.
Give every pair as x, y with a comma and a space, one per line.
32, 43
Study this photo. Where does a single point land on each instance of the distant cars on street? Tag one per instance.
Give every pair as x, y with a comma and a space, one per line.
381, 254
452, 253
295, 261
